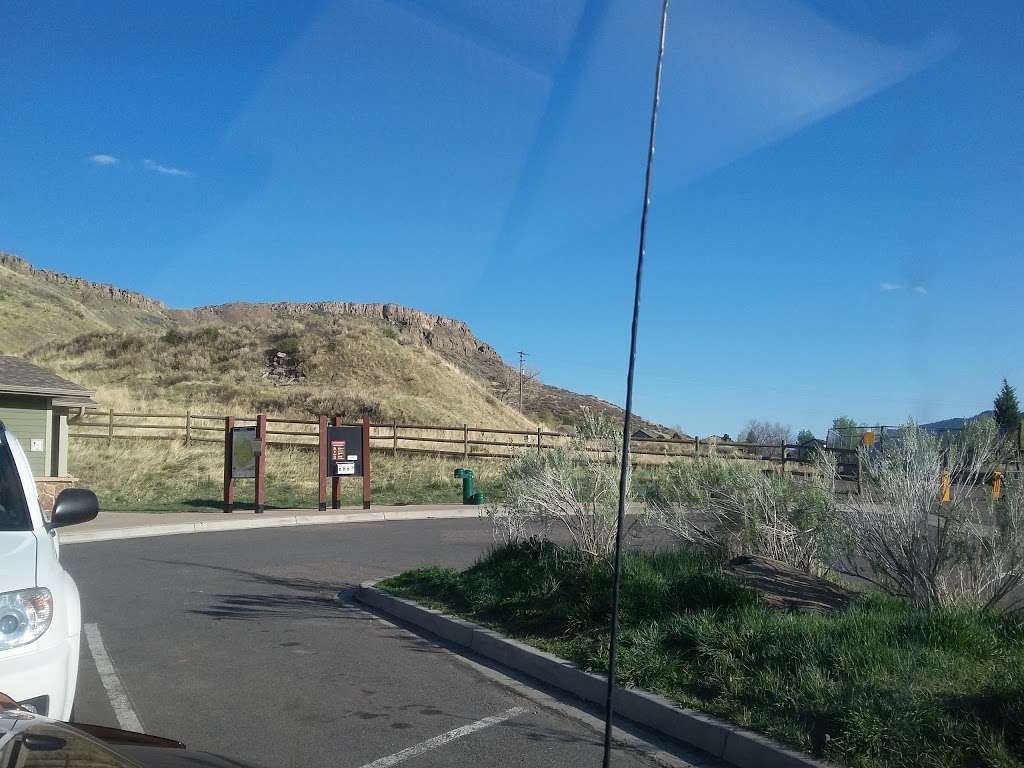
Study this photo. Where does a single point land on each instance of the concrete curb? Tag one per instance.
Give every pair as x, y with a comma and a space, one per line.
719, 738
251, 522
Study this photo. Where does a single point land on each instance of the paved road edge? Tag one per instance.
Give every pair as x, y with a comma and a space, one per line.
249, 523
730, 743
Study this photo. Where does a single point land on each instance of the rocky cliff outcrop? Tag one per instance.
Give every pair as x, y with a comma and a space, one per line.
86, 288
451, 338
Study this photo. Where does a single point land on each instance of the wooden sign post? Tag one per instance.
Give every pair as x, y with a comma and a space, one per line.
366, 462
245, 456
322, 501
261, 462
335, 479
229, 480
344, 452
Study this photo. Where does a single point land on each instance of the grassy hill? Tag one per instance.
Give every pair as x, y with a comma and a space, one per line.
346, 365
384, 360
38, 306
390, 362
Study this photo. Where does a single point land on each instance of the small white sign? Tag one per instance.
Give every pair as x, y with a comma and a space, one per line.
346, 468
353, 457
36, 444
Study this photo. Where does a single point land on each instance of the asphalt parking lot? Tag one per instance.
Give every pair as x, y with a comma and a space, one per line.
235, 643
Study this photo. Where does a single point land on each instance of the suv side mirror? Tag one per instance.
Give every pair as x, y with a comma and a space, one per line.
74, 505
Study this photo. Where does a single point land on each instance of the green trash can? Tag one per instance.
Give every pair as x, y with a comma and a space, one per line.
469, 493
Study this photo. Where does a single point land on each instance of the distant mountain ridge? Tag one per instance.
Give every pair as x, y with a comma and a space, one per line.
957, 423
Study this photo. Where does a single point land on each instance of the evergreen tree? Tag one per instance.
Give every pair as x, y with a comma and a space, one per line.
806, 453
1007, 409
848, 433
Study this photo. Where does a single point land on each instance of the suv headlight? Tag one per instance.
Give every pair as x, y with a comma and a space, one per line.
24, 616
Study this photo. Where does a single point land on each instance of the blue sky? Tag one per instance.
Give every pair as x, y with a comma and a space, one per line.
836, 222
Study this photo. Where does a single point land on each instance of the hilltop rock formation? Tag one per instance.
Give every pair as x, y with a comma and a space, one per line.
82, 286
452, 338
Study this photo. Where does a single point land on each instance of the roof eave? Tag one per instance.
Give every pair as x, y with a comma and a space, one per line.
8, 389
74, 402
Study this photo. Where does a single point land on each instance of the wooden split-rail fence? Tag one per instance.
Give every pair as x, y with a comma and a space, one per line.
463, 441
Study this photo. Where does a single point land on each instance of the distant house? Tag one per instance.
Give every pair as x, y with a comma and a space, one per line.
34, 406
643, 434
808, 449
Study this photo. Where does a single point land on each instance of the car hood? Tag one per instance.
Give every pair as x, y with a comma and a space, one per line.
86, 746
17, 560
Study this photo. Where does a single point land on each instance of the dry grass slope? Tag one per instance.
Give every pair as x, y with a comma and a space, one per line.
385, 361
35, 312
351, 366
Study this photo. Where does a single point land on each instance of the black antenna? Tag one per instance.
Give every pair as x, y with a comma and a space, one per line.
613, 642
522, 357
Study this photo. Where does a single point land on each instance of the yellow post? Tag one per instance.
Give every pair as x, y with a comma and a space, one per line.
997, 484
947, 490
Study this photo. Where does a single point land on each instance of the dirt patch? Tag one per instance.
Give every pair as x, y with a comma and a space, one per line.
788, 588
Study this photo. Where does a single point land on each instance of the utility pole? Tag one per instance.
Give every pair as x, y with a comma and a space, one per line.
522, 357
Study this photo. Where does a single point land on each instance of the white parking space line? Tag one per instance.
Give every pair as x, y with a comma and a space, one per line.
445, 738
116, 692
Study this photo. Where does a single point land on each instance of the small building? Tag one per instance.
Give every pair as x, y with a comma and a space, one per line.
643, 434
34, 405
814, 443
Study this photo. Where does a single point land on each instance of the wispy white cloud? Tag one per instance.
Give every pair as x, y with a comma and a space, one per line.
921, 290
103, 160
167, 170
889, 287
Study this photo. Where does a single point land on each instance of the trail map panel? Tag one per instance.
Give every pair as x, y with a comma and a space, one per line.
243, 452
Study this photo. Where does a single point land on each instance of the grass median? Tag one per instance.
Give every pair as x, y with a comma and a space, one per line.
879, 684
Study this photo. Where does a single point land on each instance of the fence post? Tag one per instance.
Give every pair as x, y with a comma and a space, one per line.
538, 439
783, 457
188, 428
696, 447
229, 484
394, 438
465, 441
110, 426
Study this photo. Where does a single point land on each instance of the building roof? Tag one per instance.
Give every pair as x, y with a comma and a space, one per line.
20, 377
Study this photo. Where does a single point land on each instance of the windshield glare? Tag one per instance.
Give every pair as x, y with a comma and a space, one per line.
658, 357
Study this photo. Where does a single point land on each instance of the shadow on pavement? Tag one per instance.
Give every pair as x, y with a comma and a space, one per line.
303, 598
306, 598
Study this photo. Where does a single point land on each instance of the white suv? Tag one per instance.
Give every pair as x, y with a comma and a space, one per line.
40, 614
